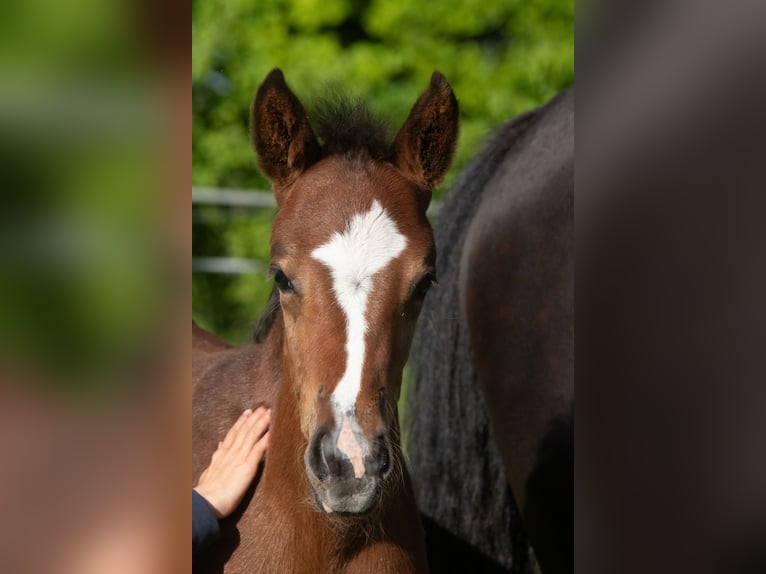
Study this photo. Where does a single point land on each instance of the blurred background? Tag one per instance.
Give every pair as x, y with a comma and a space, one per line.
94, 268
89, 260
501, 57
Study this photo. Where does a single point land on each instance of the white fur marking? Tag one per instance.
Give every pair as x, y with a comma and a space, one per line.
369, 242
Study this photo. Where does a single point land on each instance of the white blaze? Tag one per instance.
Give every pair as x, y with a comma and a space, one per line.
369, 242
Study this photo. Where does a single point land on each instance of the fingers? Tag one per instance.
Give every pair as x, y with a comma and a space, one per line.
257, 426
259, 435
231, 436
251, 430
246, 431
258, 452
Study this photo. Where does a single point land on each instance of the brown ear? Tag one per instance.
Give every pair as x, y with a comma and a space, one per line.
281, 133
425, 145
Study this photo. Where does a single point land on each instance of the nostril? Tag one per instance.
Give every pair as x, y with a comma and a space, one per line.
316, 454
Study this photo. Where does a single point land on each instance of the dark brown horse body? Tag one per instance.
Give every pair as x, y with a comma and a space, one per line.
352, 258
495, 352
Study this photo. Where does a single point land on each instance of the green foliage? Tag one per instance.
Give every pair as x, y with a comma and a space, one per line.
501, 58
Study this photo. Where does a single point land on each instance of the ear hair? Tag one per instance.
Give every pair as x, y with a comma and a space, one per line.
281, 133
425, 145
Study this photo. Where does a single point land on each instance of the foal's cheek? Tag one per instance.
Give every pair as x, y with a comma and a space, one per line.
291, 305
295, 323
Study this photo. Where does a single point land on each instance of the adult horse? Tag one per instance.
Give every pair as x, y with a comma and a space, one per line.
494, 355
352, 254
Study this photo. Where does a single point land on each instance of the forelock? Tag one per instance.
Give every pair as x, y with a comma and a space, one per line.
346, 126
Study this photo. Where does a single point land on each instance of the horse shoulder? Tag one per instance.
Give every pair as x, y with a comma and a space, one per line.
205, 342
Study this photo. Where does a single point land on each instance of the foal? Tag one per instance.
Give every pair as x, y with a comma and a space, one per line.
352, 255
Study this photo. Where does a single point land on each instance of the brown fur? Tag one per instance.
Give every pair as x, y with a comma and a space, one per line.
430, 129
280, 527
285, 144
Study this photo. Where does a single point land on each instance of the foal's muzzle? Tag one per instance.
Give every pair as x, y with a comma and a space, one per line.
346, 470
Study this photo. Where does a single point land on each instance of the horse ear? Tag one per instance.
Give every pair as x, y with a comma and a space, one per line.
281, 133
424, 147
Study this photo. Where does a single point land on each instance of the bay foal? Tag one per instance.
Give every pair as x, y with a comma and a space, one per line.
352, 255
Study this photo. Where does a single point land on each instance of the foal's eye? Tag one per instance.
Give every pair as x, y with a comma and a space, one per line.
283, 281
421, 289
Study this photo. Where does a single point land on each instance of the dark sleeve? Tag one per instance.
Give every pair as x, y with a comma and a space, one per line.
204, 523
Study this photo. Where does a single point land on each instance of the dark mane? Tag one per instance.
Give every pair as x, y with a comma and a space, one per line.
266, 320
346, 125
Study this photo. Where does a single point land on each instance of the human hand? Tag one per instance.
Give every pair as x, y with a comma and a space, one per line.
235, 462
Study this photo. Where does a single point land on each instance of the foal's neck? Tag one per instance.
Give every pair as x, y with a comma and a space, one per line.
284, 470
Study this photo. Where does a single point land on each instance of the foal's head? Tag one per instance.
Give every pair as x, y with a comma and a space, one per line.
352, 255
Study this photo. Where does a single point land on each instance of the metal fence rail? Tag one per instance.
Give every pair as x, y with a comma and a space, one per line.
250, 198
233, 197
227, 265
